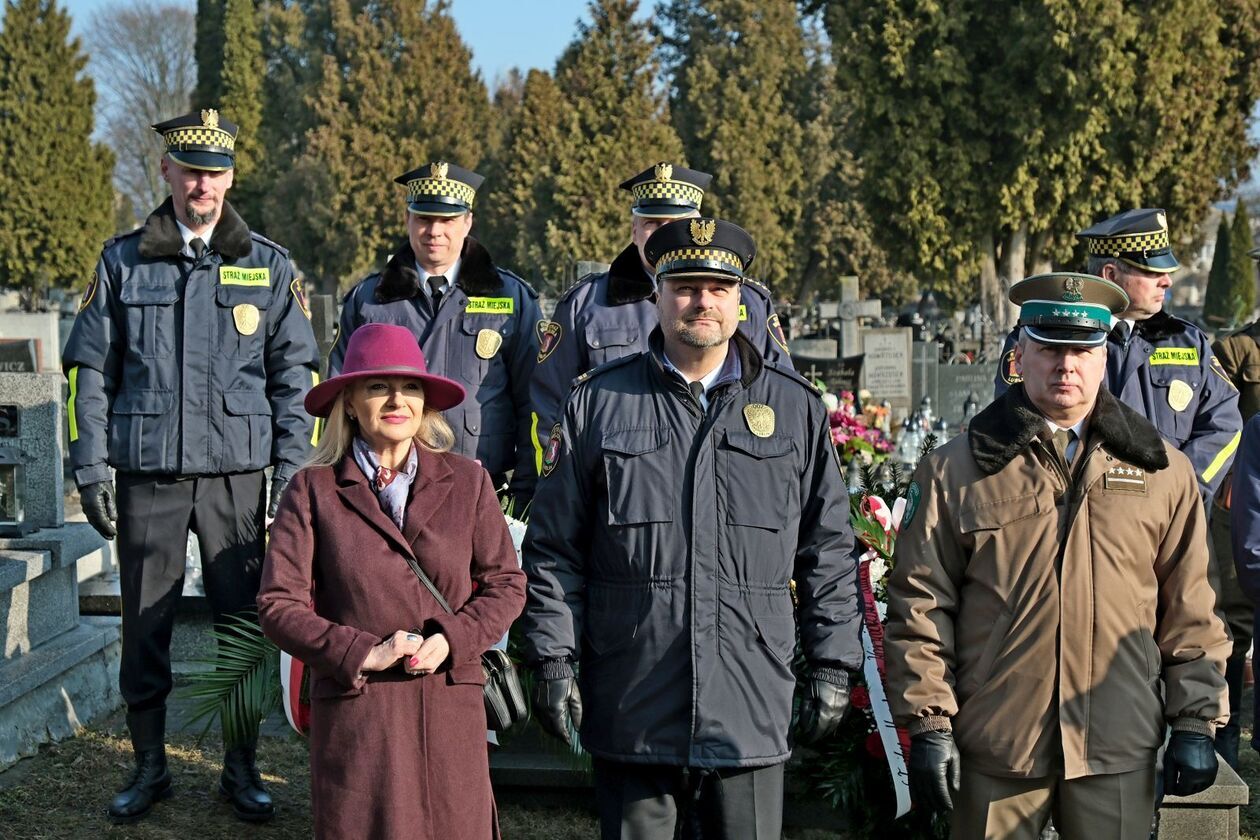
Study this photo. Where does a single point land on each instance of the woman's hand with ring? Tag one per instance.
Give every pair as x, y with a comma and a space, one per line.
386, 654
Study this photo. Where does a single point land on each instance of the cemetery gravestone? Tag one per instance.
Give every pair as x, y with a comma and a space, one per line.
886, 366
43, 327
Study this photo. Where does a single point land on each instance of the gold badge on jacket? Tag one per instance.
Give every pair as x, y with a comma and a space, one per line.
488, 343
760, 419
246, 317
1179, 394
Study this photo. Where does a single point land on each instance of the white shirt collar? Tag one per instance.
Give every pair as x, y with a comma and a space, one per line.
188, 235
452, 274
1079, 427
710, 378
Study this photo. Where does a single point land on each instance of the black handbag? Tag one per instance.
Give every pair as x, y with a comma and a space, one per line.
505, 699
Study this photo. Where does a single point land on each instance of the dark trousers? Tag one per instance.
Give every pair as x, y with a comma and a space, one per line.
155, 514
662, 802
1238, 613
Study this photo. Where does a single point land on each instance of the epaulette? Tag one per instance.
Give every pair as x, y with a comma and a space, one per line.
118, 237
518, 278
581, 281
258, 237
605, 367
757, 284
794, 376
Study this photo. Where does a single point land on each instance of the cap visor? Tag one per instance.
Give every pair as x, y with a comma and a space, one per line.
206, 161
1069, 337
436, 208
664, 211
694, 273
1163, 264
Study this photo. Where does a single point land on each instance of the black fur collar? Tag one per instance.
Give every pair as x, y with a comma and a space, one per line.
160, 239
1010, 422
477, 274
628, 282
1159, 326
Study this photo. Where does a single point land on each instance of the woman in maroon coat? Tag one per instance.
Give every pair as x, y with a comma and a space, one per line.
398, 725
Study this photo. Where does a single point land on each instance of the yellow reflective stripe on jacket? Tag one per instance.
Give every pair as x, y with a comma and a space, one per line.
319, 421
1224, 455
533, 436
73, 376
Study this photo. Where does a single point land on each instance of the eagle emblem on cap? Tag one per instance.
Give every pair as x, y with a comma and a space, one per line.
210, 118
702, 231
438, 170
1072, 289
1162, 220
663, 171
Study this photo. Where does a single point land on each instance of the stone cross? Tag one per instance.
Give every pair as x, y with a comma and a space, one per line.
851, 308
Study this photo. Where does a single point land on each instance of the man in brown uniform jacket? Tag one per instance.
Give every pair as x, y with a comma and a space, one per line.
1051, 574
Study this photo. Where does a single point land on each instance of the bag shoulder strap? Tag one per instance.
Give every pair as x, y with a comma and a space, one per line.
428, 584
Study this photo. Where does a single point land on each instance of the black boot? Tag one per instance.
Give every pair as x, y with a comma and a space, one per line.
241, 784
150, 781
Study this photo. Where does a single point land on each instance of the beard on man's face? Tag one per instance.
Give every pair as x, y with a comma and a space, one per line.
200, 219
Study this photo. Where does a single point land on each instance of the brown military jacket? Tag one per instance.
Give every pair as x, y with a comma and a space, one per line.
1041, 619
1239, 355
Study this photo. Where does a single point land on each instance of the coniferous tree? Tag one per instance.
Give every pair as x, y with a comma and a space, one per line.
241, 101
617, 125
1242, 269
209, 52
396, 89
58, 203
739, 78
1218, 309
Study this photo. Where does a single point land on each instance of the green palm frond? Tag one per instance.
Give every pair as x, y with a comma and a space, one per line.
244, 686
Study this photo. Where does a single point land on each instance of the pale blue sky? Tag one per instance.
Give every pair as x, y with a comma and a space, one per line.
501, 33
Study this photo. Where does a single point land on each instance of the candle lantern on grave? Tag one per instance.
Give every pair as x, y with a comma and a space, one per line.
12, 493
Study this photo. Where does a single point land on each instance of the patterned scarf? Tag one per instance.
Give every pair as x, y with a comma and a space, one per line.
391, 486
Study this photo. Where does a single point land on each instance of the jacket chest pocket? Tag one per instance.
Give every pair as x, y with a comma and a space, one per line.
478, 348
1175, 399
606, 343
641, 476
760, 482
150, 313
242, 320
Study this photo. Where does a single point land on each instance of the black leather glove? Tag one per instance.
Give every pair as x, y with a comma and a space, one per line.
98, 504
824, 705
277, 491
558, 706
935, 770
1189, 763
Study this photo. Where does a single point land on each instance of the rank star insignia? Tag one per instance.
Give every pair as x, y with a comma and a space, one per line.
1072, 289
702, 231
439, 170
1126, 479
663, 171
210, 118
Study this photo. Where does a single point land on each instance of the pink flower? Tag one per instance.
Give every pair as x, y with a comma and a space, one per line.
879, 511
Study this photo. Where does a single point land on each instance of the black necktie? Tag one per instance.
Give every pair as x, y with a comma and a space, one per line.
198, 247
436, 282
1120, 333
697, 391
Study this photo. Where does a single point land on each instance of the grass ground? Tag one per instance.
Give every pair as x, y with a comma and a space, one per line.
61, 794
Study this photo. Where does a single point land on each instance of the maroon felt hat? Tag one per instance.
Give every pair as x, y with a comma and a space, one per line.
384, 350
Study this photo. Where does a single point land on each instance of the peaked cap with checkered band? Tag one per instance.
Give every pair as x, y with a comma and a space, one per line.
667, 191
440, 189
200, 140
700, 247
1139, 237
